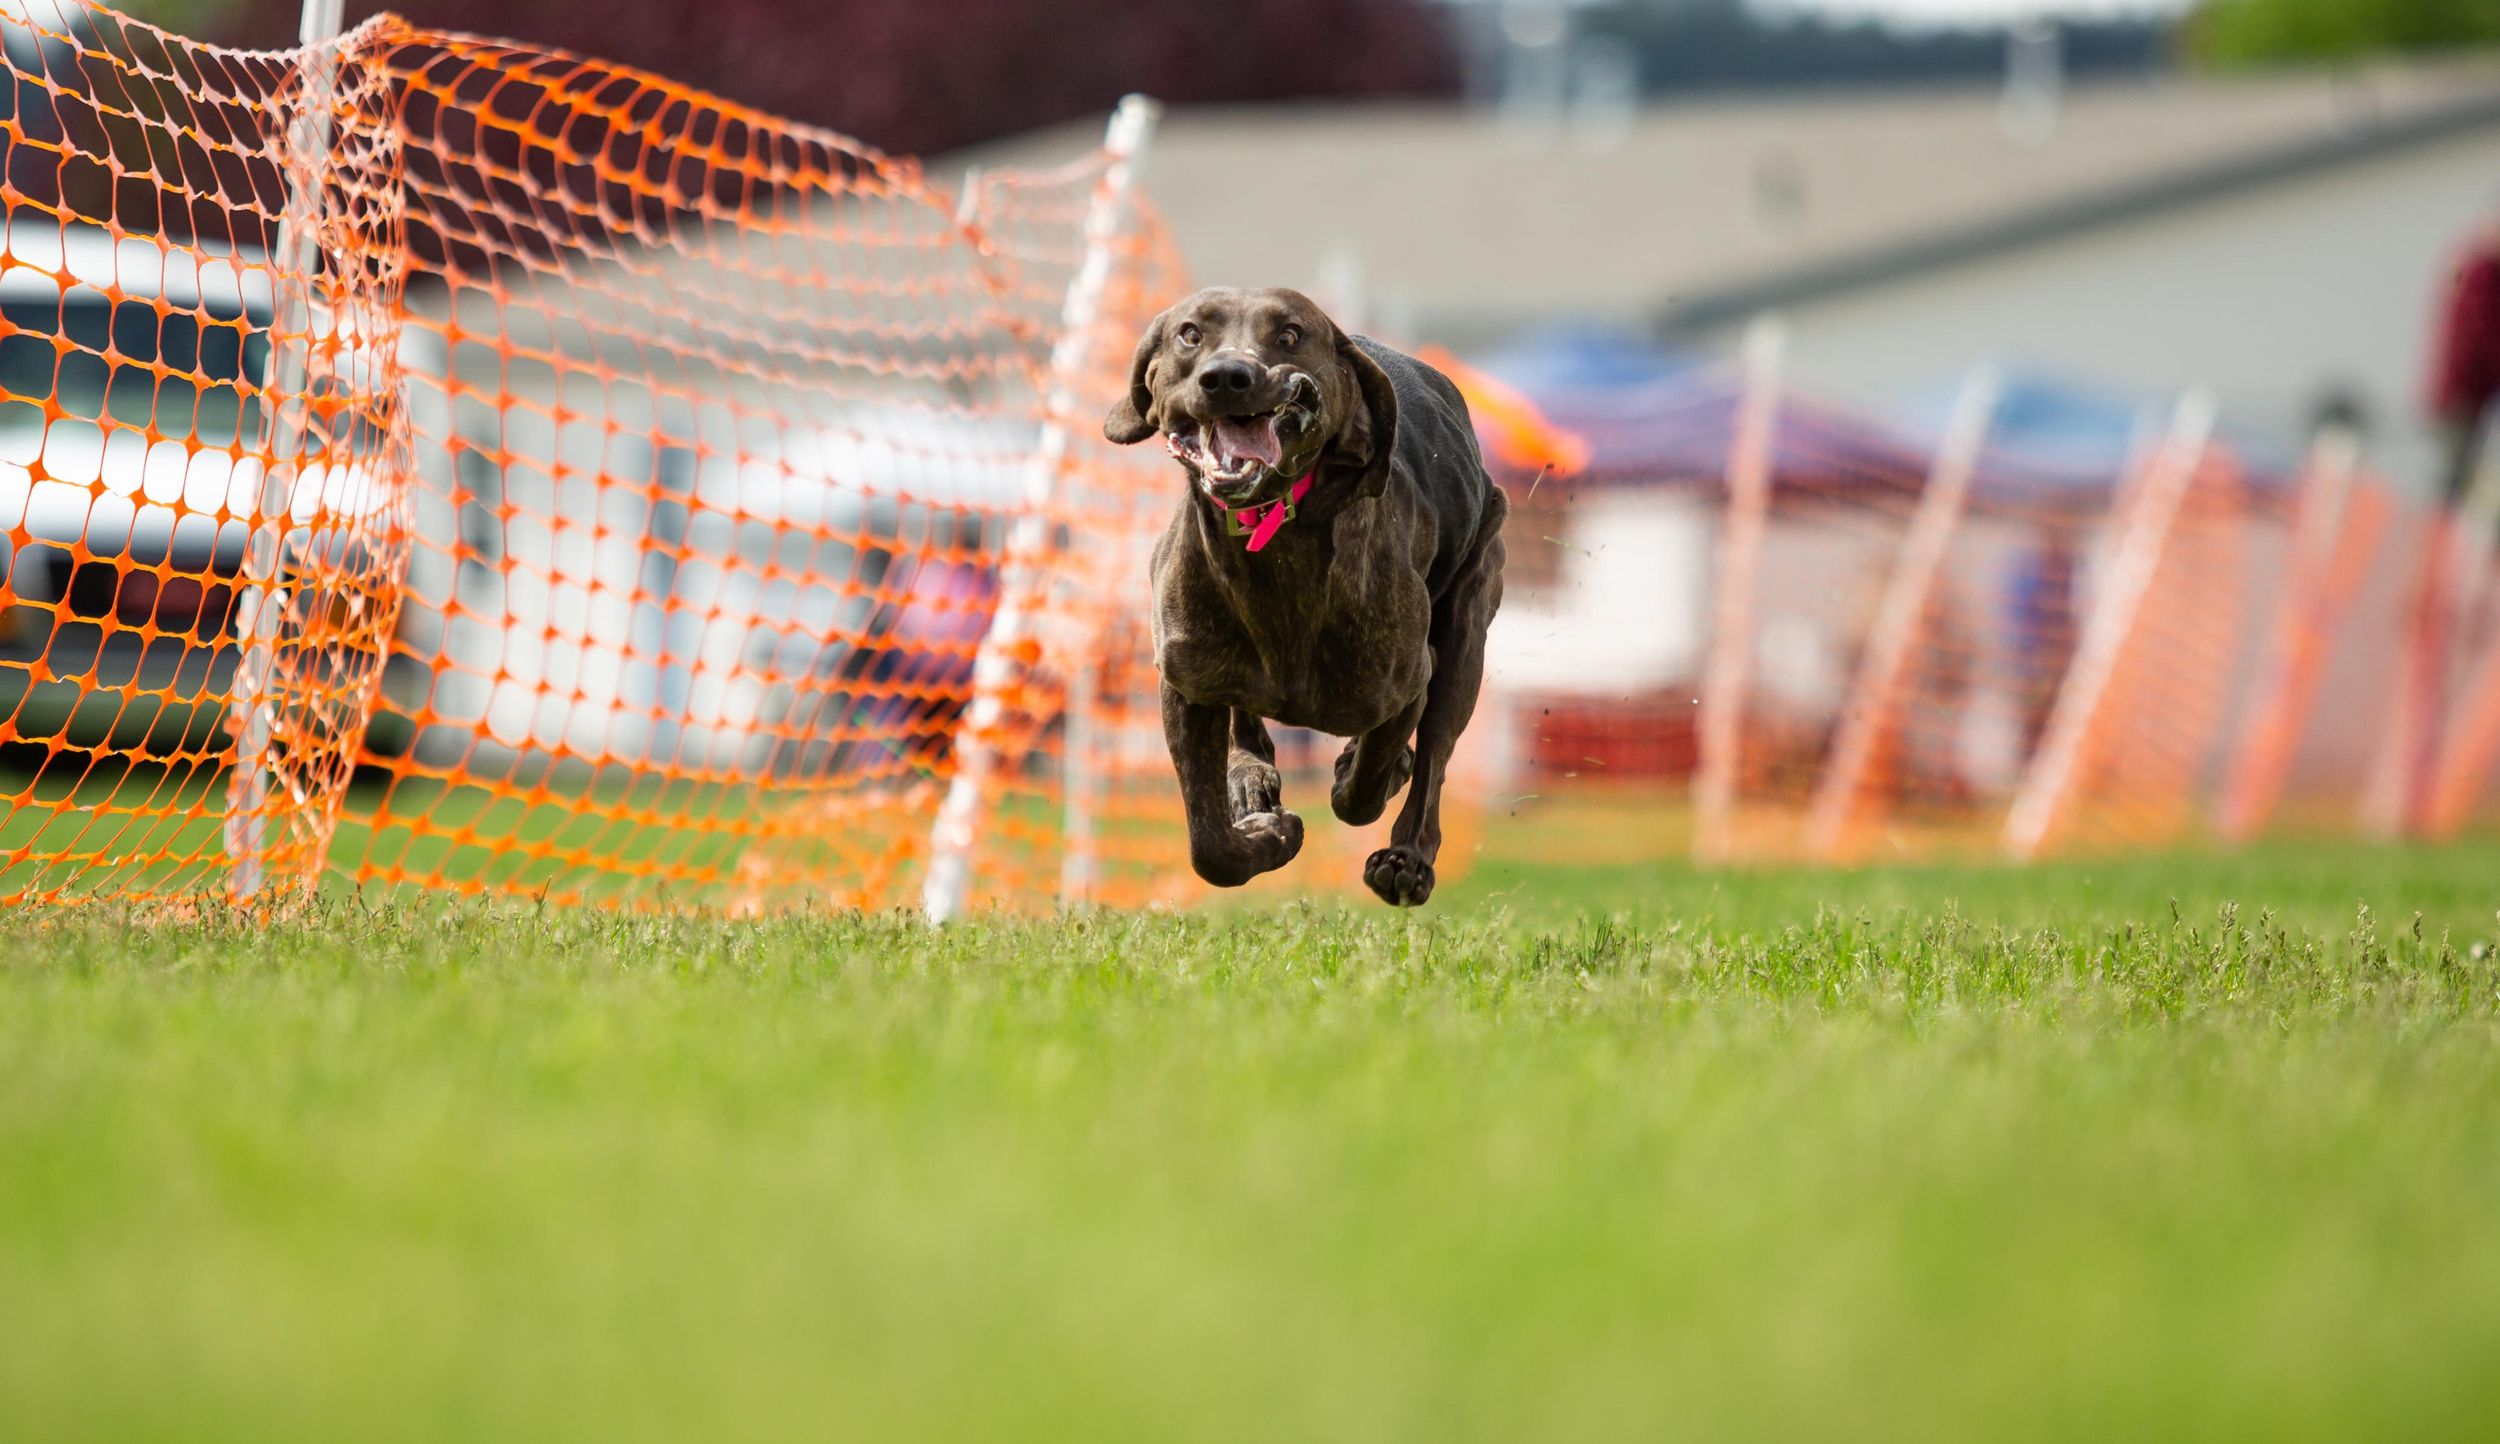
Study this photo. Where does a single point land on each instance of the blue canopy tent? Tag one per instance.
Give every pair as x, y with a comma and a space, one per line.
1655, 416
1652, 415
2051, 431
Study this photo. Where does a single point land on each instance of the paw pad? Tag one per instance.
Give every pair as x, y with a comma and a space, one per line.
1399, 877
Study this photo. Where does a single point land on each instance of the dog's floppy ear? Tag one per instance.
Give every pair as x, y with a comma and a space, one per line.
1132, 417
1370, 433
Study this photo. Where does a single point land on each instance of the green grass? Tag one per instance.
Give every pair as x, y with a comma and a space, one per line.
1613, 1152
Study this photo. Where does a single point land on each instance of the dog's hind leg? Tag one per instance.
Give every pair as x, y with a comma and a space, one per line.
1401, 873
1250, 776
1225, 850
1374, 766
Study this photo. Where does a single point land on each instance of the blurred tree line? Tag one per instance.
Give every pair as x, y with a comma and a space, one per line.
2241, 32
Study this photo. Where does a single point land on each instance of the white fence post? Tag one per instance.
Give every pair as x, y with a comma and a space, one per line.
1028, 541
1077, 780
1750, 476
2285, 680
1874, 700
256, 613
2153, 504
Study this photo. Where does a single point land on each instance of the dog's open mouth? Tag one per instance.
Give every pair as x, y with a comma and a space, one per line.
1233, 455
1229, 449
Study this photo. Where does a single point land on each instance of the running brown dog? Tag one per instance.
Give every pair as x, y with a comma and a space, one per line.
1333, 566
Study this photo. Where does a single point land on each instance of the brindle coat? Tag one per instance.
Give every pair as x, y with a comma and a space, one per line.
1364, 617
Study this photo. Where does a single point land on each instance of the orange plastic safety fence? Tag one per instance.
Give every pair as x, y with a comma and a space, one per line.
162, 382
453, 464
1907, 666
2144, 773
1994, 654
2446, 769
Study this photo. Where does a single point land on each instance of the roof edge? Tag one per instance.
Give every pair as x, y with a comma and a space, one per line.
2268, 166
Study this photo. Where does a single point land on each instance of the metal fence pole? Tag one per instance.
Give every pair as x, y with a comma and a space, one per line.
1718, 771
1028, 542
1871, 711
292, 259
2333, 531
2058, 768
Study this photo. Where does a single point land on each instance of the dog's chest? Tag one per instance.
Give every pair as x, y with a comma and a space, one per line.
1342, 663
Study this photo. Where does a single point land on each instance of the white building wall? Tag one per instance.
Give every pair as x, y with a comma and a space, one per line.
1630, 611
2270, 295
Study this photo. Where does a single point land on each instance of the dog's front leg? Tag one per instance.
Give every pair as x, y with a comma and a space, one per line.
1401, 873
1225, 850
1250, 776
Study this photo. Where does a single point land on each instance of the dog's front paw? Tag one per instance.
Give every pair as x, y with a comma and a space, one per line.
1274, 838
1254, 788
1261, 842
1400, 876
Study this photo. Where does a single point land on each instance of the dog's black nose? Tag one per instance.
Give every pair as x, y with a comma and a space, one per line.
1225, 380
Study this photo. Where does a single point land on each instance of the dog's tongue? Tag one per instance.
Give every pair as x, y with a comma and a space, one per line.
1234, 437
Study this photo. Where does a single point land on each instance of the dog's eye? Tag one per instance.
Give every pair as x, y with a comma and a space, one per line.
1189, 334
1290, 337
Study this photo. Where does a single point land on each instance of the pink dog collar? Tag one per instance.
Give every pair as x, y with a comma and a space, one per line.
1261, 524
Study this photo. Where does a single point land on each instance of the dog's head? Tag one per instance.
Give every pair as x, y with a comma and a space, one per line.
1254, 390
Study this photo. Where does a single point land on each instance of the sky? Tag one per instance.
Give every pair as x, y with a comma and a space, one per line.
1946, 12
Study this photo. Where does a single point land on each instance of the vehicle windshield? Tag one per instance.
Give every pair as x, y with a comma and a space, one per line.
179, 373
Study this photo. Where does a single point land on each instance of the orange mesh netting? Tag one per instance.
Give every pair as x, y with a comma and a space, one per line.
1970, 653
154, 375
2442, 768
432, 461
454, 464
1858, 646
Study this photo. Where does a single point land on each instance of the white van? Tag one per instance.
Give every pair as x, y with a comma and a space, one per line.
670, 578
654, 579
130, 484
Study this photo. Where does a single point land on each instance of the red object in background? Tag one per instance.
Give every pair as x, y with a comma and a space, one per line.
1634, 739
2465, 369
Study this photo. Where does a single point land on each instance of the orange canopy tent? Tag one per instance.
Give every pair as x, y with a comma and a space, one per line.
1518, 434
